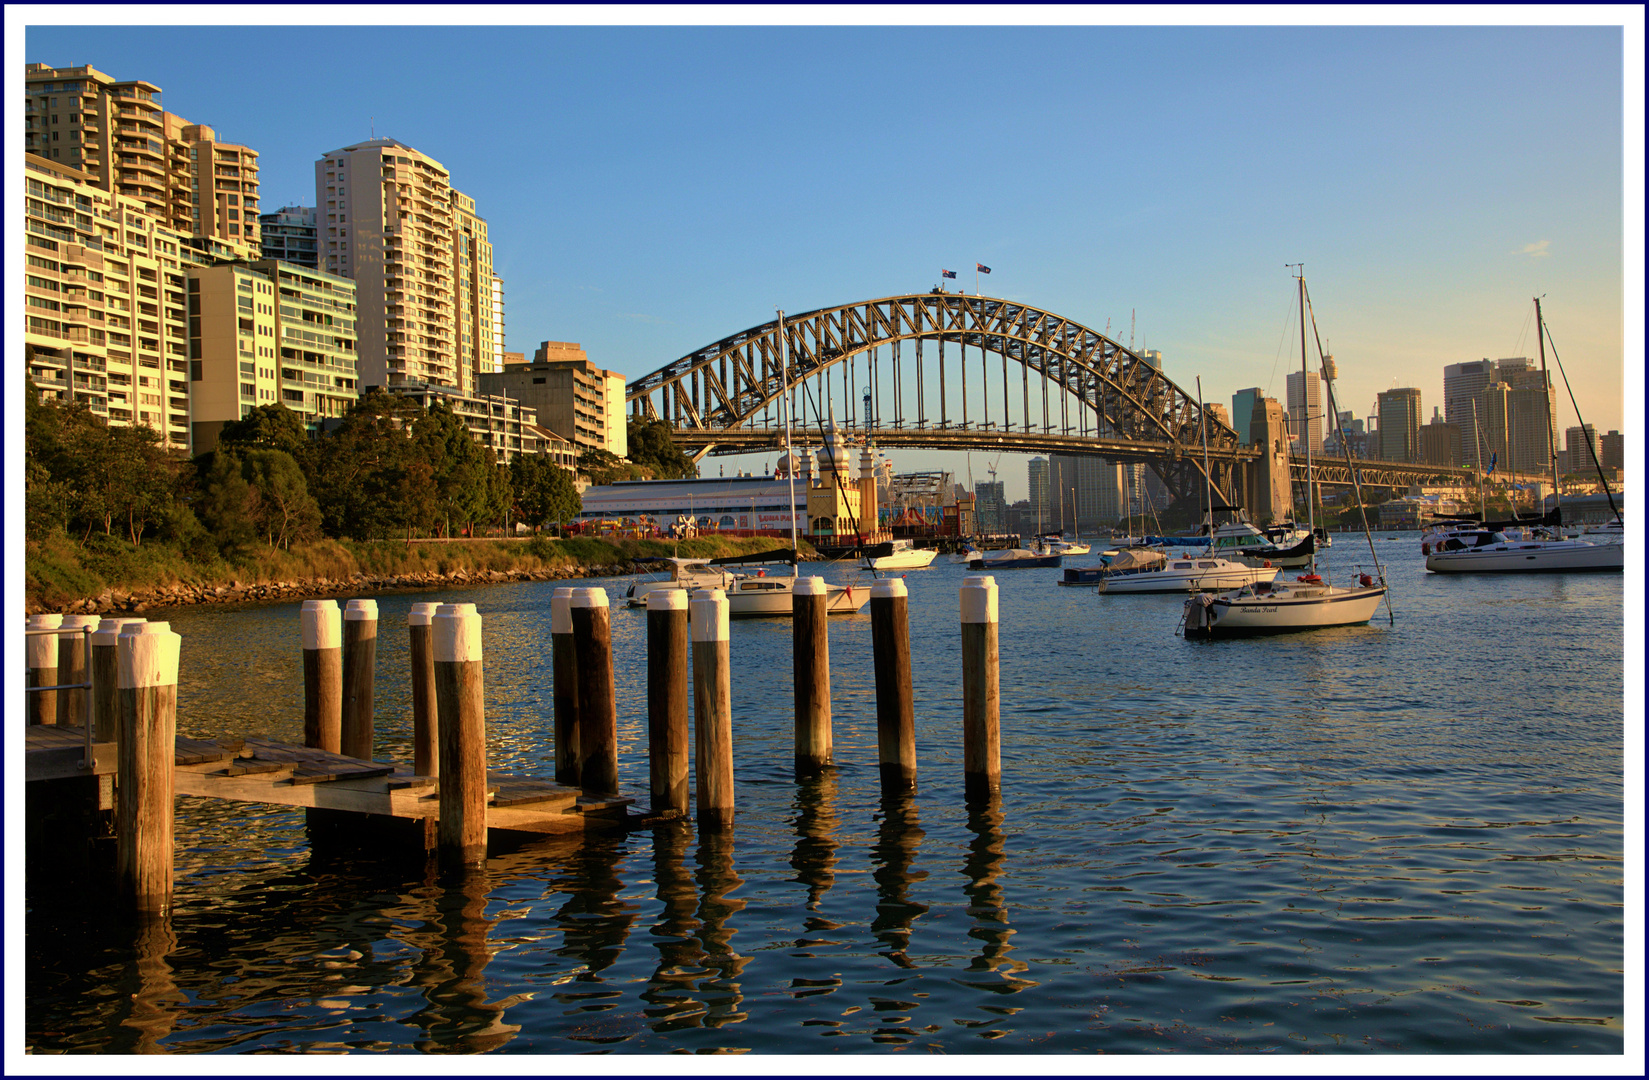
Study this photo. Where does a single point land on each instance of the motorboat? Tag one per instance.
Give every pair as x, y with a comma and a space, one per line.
756, 594
1138, 570
965, 556
898, 555
1306, 603
1489, 551
1056, 546
1013, 559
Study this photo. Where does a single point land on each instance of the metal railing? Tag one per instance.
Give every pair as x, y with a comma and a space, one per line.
86, 633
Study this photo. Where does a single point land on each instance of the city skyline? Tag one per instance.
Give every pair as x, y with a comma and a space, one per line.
661, 187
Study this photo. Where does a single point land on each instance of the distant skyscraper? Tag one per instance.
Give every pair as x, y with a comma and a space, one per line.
991, 506
1575, 440
1152, 357
1242, 408
1400, 424
1613, 446
1089, 489
1463, 386
1440, 441
1041, 481
1305, 411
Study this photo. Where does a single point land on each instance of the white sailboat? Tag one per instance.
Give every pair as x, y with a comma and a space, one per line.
1307, 602
899, 555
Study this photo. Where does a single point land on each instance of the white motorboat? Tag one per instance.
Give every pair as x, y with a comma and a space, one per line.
1307, 603
749, 595
965, 556
1140, 571
899, 555
1487, 551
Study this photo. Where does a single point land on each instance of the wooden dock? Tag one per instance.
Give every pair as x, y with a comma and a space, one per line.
259, 770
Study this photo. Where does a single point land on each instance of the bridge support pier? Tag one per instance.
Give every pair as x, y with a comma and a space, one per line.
1269, 496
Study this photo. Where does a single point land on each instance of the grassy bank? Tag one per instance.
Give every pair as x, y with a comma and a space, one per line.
60, 571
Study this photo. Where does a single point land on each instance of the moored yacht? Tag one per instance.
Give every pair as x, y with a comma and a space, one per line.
1487, 551
898, 555
749, 595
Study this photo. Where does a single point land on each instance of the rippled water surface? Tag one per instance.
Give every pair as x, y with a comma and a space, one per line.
1381, 839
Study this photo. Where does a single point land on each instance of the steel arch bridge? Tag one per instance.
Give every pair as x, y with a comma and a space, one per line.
1016, 379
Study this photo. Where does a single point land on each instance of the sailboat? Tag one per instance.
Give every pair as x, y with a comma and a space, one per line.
1306, 603
1480, 547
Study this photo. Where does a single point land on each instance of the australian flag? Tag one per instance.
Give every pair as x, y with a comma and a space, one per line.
982, 268
947, 273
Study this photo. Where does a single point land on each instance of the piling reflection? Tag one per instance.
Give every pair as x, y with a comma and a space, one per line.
986, 907
157, 1000
458, 1016
814, 856
717, 879
894, 855
595, 924
670, 1003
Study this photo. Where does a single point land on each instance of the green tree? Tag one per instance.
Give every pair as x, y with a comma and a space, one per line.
544, 492
273, 426
225, 504
461, 468
652, 448
500, 492
365, 477
282, 509
602, 466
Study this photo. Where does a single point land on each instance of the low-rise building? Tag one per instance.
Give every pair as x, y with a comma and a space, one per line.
579, 401
505, 425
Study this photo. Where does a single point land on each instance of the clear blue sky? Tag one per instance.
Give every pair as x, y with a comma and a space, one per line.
651, 190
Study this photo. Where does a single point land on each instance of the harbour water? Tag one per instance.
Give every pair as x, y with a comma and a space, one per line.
1390, 839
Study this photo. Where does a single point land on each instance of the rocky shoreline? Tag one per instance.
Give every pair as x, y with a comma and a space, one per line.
138, 601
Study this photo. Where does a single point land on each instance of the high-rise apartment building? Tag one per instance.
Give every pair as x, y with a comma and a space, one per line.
267, 332
1090, 493
1242, 409
1577, 458
106, 300
384, 218
1305, 412
474, 284
125, 143
289, 235
1400, 424
572, 397
498, 353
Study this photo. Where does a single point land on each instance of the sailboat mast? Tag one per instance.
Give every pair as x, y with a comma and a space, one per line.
1207, 477
1305, 427
790, 469
1551, 429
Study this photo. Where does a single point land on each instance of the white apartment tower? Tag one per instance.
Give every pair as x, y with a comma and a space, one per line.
497, 323
1305, 411
385, 218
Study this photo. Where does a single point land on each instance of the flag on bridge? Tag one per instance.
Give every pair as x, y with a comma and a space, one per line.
982, 268
947, 273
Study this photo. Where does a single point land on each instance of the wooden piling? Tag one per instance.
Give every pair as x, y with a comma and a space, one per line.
712, 710
981, 689
323, 681
41, 650
810, 662
564, 668
147, 654
667, 695
426, 754
455, 640
105, 680
360, 658
73, 667
597, 703
895, 706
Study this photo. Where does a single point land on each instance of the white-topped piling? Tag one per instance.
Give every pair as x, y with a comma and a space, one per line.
72, 667
667, 696
321, 635
564, 676
41, 651
426, 753
597, 702
895, 705
105, 679
147, 662
712, 709
460, 693
810, 664
360, 660
981, 689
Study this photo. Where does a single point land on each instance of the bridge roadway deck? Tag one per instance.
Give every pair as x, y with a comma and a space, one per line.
261, 771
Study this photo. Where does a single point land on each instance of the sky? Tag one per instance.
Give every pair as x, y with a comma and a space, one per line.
652, 189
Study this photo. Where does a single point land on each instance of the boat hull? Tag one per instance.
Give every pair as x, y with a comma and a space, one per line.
1289, 611
1171, 581
911, 559
1014, 564
1529, 559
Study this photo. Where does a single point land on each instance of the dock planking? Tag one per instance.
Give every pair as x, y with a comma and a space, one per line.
261, 770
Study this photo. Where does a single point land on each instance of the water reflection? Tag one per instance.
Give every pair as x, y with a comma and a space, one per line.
814, 856
670, 1003
894, 855
717, 879
156, 1002
458, 1016
595, 923
986, 907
